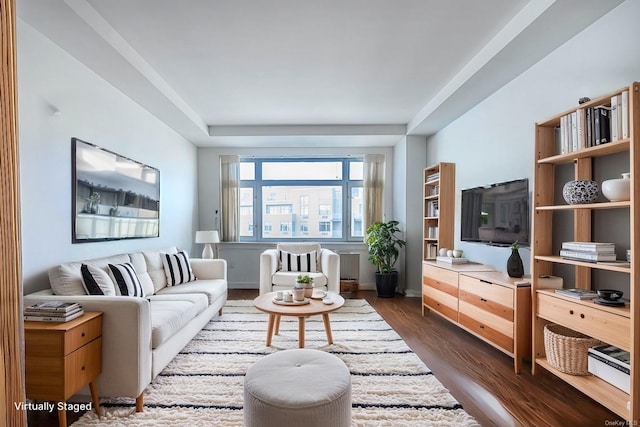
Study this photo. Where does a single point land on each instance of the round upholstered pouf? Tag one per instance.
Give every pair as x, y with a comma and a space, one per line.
301, 387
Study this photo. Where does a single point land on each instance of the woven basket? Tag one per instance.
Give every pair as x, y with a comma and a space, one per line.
567, 350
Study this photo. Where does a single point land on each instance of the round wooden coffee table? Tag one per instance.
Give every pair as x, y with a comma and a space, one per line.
315, 307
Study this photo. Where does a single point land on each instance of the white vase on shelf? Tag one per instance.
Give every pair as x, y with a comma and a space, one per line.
617, 190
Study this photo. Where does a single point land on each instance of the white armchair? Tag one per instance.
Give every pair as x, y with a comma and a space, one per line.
274, 277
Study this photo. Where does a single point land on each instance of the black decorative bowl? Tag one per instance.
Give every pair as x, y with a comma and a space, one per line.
610, 294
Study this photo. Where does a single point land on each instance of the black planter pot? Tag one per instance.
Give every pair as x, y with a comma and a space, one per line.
515, 268
386, 284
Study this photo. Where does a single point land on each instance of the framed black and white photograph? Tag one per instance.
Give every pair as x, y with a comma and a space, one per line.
113, 197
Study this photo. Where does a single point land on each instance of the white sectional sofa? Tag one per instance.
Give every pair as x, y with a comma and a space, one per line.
141, 335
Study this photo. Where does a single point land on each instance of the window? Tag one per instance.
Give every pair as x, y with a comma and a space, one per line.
324, 226
304, 197
304, 205
285, 227
324, 210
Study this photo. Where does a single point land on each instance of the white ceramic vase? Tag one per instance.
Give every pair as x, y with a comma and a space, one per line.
617, 190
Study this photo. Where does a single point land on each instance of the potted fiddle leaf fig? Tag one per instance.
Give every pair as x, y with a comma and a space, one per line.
384, 248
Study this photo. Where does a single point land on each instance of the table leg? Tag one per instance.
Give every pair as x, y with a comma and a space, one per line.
270, 329
94, 397
277, 325
300, 332
62, 415
327, 327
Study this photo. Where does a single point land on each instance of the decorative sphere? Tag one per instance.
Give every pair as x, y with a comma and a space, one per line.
580, 192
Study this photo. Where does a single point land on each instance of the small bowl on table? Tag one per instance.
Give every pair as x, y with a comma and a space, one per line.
610, 294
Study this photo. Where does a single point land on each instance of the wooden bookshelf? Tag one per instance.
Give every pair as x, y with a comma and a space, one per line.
439, 185
586, 317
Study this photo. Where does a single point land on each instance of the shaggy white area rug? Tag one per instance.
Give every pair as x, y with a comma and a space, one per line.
203, 385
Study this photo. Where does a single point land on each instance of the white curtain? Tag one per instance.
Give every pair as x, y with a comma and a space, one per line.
373, 188
230, 198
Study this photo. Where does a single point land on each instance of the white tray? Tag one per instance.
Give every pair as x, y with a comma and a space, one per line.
281, 302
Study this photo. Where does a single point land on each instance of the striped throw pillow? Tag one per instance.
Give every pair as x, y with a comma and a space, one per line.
126, 280
306, 262
96, 281
177, 268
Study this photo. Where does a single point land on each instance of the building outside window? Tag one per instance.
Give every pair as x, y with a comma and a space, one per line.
307, 197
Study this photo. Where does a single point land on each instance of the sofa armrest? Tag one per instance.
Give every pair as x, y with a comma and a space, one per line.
126, 340
268, 266
206, 269
330, 266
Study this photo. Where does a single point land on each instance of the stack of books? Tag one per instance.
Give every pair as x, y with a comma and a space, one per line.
611, 364
588, 251
578, 293
53, 311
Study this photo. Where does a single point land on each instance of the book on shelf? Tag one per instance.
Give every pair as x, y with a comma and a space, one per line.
432, 208
624, 113
565, 134
53, 306
432, 250
588, 255
619, 358
589, 246
433, 177
602, 124
451, 260
49, 317
616, 263
613, 119
588, 125
611, 364
577, 293
575, 141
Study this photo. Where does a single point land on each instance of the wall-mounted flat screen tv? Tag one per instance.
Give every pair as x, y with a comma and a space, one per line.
496, 214
113, 197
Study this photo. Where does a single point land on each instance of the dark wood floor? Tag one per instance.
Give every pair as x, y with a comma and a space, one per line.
480, 377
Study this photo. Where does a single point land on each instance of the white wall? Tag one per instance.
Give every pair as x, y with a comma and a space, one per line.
493, 142
409, 163
243, 258
92, 110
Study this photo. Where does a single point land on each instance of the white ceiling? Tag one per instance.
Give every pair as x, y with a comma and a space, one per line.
308, 72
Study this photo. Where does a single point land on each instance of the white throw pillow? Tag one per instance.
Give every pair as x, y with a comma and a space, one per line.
177, 268
298, 262
126, 280
96, 281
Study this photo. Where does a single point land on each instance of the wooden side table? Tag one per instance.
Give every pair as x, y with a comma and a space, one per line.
61, 358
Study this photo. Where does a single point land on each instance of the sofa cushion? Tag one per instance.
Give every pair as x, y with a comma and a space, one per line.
66, 279
170, 313
213, 288
140, 265
96, 281
177, 268
155, 268
304, 262
126, 280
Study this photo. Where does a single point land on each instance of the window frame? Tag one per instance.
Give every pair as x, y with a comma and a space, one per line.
258, 183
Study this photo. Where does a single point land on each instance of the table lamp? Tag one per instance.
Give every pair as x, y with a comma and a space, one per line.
207, 237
